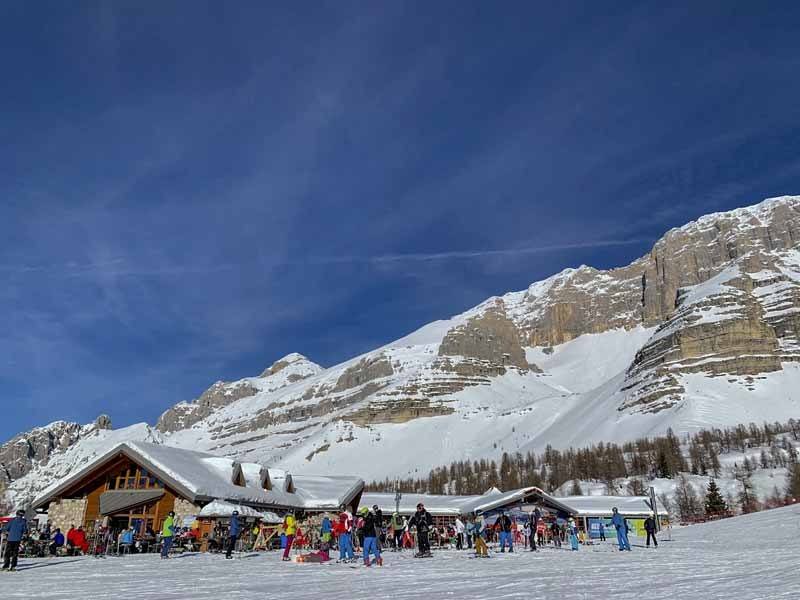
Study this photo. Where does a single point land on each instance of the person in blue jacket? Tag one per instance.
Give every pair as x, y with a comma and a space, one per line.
233, 533
572, 529
622, 529
58, 542
325, 530
15, 530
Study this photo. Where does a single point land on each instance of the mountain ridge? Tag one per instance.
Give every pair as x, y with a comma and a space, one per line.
697, 332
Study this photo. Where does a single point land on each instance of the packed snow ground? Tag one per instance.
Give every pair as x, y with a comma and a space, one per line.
748, 557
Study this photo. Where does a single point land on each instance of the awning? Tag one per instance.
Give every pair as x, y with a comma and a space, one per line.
115, 501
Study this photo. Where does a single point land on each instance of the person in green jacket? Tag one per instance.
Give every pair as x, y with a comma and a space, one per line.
398, 528
167, 534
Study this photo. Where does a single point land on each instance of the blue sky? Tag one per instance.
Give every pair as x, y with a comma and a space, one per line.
191, 190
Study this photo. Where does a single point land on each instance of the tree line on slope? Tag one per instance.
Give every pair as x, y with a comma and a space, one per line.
639, 461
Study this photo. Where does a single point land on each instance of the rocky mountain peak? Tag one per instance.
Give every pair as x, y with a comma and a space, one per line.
294, 359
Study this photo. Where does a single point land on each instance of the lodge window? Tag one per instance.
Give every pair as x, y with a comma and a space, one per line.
133, 478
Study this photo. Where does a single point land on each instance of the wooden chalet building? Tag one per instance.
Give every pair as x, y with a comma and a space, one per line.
136, 484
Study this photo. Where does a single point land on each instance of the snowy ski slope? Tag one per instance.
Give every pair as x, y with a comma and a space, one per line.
752, 557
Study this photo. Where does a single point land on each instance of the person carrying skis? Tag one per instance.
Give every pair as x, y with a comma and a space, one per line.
650, 528
290, 528
233, 533
506, 536
572, 529
167, 534
622, 529
14, 531
423, 521
371, 534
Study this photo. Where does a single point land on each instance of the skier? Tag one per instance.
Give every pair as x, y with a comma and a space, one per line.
345, 529
167, 534
233, 533
506, 537
650, 528
423, 521
14, 530
371, 545
622, 529
602, 532
572, 528
290, 528
398, 527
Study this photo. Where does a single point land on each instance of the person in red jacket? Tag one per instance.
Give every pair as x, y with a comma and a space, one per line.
79, 540
71, 540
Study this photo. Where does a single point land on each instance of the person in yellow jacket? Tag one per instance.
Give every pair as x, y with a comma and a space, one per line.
167, 534
289, 528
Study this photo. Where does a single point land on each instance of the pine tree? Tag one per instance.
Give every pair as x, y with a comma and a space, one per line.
662, 465
793, 483
715, 504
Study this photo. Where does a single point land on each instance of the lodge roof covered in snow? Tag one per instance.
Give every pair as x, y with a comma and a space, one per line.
203, 478
493, 499
600, 506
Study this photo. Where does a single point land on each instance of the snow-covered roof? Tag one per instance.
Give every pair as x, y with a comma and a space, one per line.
439, 505
600, 506
202, 477
220, 508
531, 495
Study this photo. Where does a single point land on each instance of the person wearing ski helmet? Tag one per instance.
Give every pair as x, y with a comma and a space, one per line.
371, 545
650, 527
233, 533
167, 534
618, 521
423, 521
506, 535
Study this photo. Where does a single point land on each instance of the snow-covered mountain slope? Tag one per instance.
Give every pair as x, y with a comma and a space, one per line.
92, 444
701, 331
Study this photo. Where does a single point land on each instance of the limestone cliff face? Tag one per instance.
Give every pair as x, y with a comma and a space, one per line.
284, 372
35, 447
585, 300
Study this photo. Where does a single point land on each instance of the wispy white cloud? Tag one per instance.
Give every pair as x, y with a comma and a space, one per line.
471, 254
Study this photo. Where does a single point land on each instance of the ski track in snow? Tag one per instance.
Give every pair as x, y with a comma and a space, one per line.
749, 557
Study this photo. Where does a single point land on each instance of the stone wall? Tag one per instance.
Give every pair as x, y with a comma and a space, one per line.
66, 512
184, 508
